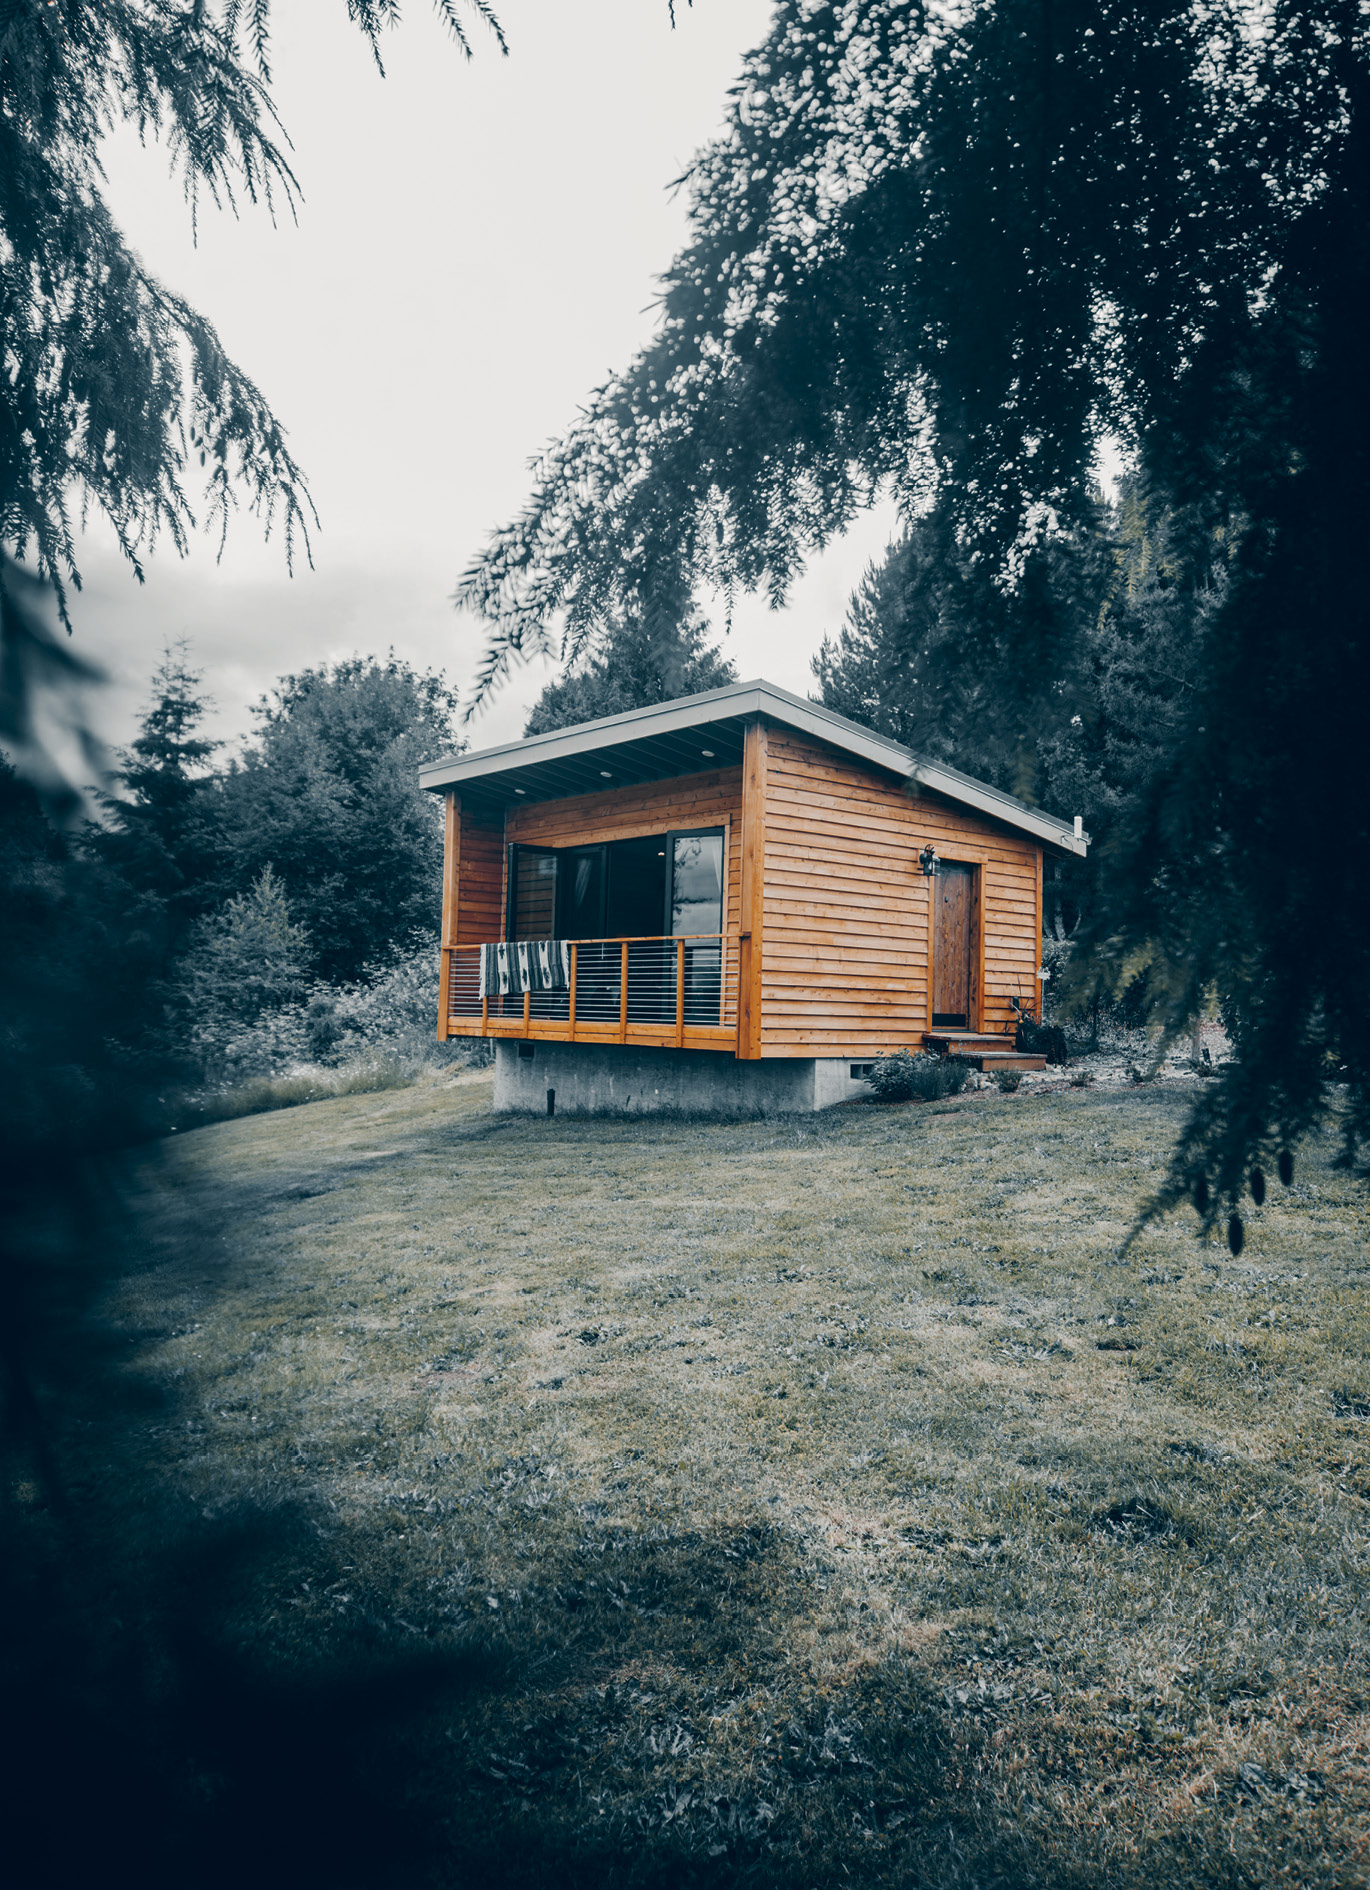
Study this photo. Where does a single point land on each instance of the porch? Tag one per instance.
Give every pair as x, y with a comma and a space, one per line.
653, 992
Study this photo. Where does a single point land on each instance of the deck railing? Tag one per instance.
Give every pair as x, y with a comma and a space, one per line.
680, 991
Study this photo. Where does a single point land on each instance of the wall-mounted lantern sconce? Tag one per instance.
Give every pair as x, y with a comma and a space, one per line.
928, 860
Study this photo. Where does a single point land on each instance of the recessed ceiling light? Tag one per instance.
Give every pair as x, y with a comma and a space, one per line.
707, 753
520, 790
605, 774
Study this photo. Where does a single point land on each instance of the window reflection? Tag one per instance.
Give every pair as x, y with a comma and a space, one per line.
696, 884
584, 916
535, 893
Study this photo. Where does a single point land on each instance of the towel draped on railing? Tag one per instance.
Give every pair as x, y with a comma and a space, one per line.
525, 964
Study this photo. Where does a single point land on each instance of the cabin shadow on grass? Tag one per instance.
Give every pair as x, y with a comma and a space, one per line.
811, 1501
623, 1753
267, 1698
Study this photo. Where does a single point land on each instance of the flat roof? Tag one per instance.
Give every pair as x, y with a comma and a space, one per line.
694, 734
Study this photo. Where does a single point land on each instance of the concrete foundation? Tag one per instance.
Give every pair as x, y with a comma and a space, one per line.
592, 1079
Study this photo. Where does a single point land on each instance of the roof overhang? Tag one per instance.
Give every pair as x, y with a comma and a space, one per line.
694, 735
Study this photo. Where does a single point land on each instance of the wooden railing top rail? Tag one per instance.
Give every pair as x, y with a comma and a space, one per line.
610, 938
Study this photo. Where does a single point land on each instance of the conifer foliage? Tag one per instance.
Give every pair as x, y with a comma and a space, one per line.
651, 655
1065, 689
312, 855
116, 393
154, 834
947, 252
249, 957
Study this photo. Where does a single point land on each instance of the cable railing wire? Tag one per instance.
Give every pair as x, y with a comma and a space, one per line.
680, 982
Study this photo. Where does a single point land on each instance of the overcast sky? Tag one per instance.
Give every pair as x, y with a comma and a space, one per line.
477, 249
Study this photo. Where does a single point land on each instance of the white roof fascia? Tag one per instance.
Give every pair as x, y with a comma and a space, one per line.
813, 719
742, 699
987, 800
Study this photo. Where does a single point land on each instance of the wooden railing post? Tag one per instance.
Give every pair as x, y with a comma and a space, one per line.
753, 865
444, 991
623, 995
680, 993
527, 1010
451, 873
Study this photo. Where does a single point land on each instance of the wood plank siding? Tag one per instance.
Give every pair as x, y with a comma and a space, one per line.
473, 905
847, 919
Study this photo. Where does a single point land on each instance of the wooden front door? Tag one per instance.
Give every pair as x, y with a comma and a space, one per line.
953, 945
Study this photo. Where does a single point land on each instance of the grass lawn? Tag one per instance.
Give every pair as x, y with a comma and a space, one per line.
834, 1505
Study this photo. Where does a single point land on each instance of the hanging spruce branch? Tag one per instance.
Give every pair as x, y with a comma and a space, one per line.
116, 394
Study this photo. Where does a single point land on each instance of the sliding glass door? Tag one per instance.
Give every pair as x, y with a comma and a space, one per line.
695, 896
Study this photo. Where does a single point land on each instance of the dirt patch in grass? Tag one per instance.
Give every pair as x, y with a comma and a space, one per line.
833, 1504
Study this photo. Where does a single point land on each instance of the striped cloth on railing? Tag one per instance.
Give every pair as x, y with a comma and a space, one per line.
525, 964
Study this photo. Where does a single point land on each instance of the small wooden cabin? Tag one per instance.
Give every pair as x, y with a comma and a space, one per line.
737, 899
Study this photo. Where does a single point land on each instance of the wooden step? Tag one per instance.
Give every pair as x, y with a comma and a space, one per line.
965, 1042
1002, 1060
980, 1050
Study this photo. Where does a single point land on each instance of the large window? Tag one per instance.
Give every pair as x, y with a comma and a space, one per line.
658, 885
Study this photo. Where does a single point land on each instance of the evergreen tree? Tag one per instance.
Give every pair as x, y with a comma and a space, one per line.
328, 795
248, 957
634, 664
156, 836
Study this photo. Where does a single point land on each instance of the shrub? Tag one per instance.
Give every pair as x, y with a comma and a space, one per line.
390, 1013
392, 1009
323, 1028
908, 1075
244, 962
1082, 1079
1007, 1081
1042, 1040
333, 1040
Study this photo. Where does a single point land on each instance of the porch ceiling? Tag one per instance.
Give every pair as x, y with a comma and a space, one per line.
520, 774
